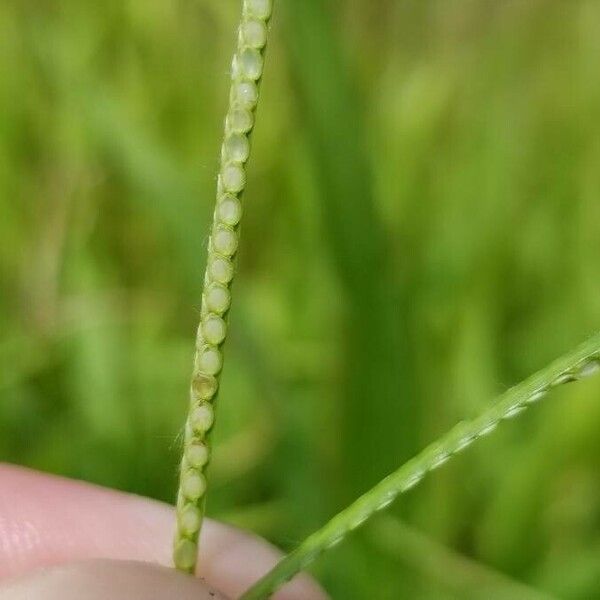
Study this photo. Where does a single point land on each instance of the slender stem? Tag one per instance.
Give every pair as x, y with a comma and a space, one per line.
247, 68
577, 364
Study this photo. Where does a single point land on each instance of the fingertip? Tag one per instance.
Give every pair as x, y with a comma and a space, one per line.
47, 520
102, 579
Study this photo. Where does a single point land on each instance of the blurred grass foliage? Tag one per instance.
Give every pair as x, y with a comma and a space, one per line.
422, 230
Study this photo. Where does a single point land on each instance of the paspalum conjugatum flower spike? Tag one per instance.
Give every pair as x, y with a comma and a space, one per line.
247, 68
579, 364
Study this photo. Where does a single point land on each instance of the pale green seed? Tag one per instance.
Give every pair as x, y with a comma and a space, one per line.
236, 148
197, 454
204, 387
254, 33
229, 210
202, 418
240, 120
259, 8
214, 330
233, 178
210, 361
249, 64
190, 520
244, 94
221, 270
225, 241
218, 298
193, 485
185, 555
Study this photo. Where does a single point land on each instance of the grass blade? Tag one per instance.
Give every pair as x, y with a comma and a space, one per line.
580, 363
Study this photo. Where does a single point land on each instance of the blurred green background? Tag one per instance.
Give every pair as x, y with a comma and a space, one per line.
422, 230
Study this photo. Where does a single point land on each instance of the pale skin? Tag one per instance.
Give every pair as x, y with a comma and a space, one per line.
67, 540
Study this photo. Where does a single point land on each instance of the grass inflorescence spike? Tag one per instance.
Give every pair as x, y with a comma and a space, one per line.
581, 363
247, 68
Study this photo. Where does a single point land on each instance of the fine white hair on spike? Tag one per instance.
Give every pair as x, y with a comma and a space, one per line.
190, 519
249, 64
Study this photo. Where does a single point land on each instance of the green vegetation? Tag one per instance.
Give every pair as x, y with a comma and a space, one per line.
421, 232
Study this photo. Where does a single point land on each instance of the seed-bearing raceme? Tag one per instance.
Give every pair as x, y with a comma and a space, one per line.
578, 364
246, 72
